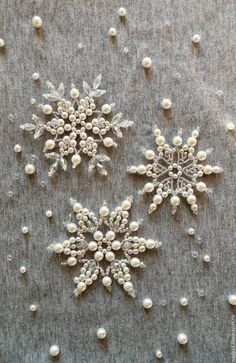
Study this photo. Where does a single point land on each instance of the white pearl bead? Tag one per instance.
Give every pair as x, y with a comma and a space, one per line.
23, 269
98, 235
47, 109
183, 301
33, 307
17, 148
206, 258
74, 93
201, 187
128, 286
141, 169
112, 32
208, 169
106, 109
77, 207
58, 247
30, 169
122, 12
25, 229
158, 353
101, 333
54, 350
92, 246
177, 140
50, 144
48, 213
108, 142
2, 43
160, 140
126, 205
134, 226
146, 62
191, 231
192, 141
166, 104
150, 244
37, 21
104, 211
147, 303
35, 76
201, 155
157, 199
150, 154
232, 299
191, 199
110, 235
196, 38
116, 245
106, 281
230, 126
182, 338
81, 286
174, 201
110, 256
148, 187
76, 159
71, 227
98, 256
71, 261
135, 262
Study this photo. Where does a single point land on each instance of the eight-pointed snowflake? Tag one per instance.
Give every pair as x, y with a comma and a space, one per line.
107, 254
175, 171
76, 126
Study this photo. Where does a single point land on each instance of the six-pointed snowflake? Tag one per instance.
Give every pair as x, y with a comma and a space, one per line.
105, 246
76, 126
175, 171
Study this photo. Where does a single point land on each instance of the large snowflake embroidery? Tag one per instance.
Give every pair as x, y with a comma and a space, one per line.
76, 126
175, 171
109, 254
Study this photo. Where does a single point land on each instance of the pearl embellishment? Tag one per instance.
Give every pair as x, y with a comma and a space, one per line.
232, 299
17, 148
166, 104
158, 353
23, 269
122, 12
182, 338
146, 62
35, 76
191, 231
112, 32
196, 38
30, 169
37, 21
54, 350
24, 229
147, 303
2, 43
183, 301
33, 307
101, 333
206, 258
230, 126
48, 213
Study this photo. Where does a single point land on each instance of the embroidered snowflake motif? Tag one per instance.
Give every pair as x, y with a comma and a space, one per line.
76, 126
109, 254
175, 171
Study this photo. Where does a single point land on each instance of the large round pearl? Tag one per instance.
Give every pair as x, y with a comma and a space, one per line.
232, 299
106, 109
104, 211
201, 155
35, 76
201, 187
108, 142
71, 261
134, 226
230, 126
166, 104
110, 235
30, 169
158, 353
101, 333
54, 350
206, 258
126, 205
92, 246
174, 201
135, 262
160, 140
150, 154
58, 247
25, 229
76, 159
141, 169
157, 199
191, 199
48, 213
37, 21
208, 169
50, 144
17, 148
148, 187
33, 307
23, 269
110, 256
183, 301
150, 244
98, 235
116, 245
146, 62
128, 286
106, 281
77, 207
81, 286
147, 303
196, 38
182, 338
112, 32
177, 140
74, 93
122, 12
192, 141
98, 256
47, 109
71, 227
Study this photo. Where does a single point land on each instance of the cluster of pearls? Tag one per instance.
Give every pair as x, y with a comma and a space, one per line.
104, 246
175, 171
75, 126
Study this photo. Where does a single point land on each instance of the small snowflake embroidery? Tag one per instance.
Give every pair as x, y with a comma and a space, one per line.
175, 171
110, 253
76, 126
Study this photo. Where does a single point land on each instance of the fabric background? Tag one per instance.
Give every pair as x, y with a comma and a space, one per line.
191, 77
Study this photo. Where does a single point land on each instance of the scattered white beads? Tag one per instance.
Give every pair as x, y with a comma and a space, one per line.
232, 299
158, 353
35, 76
147, 303
183, 301
191, 231
48, 213
23, 269
25, 230
112, 32
147, 62
54, 350
17, 148
166, 103
196, 38
2, 43
33, 307
206, 258
30, 169
101, 333
37, 21
230, 126
122, 12
182, 338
